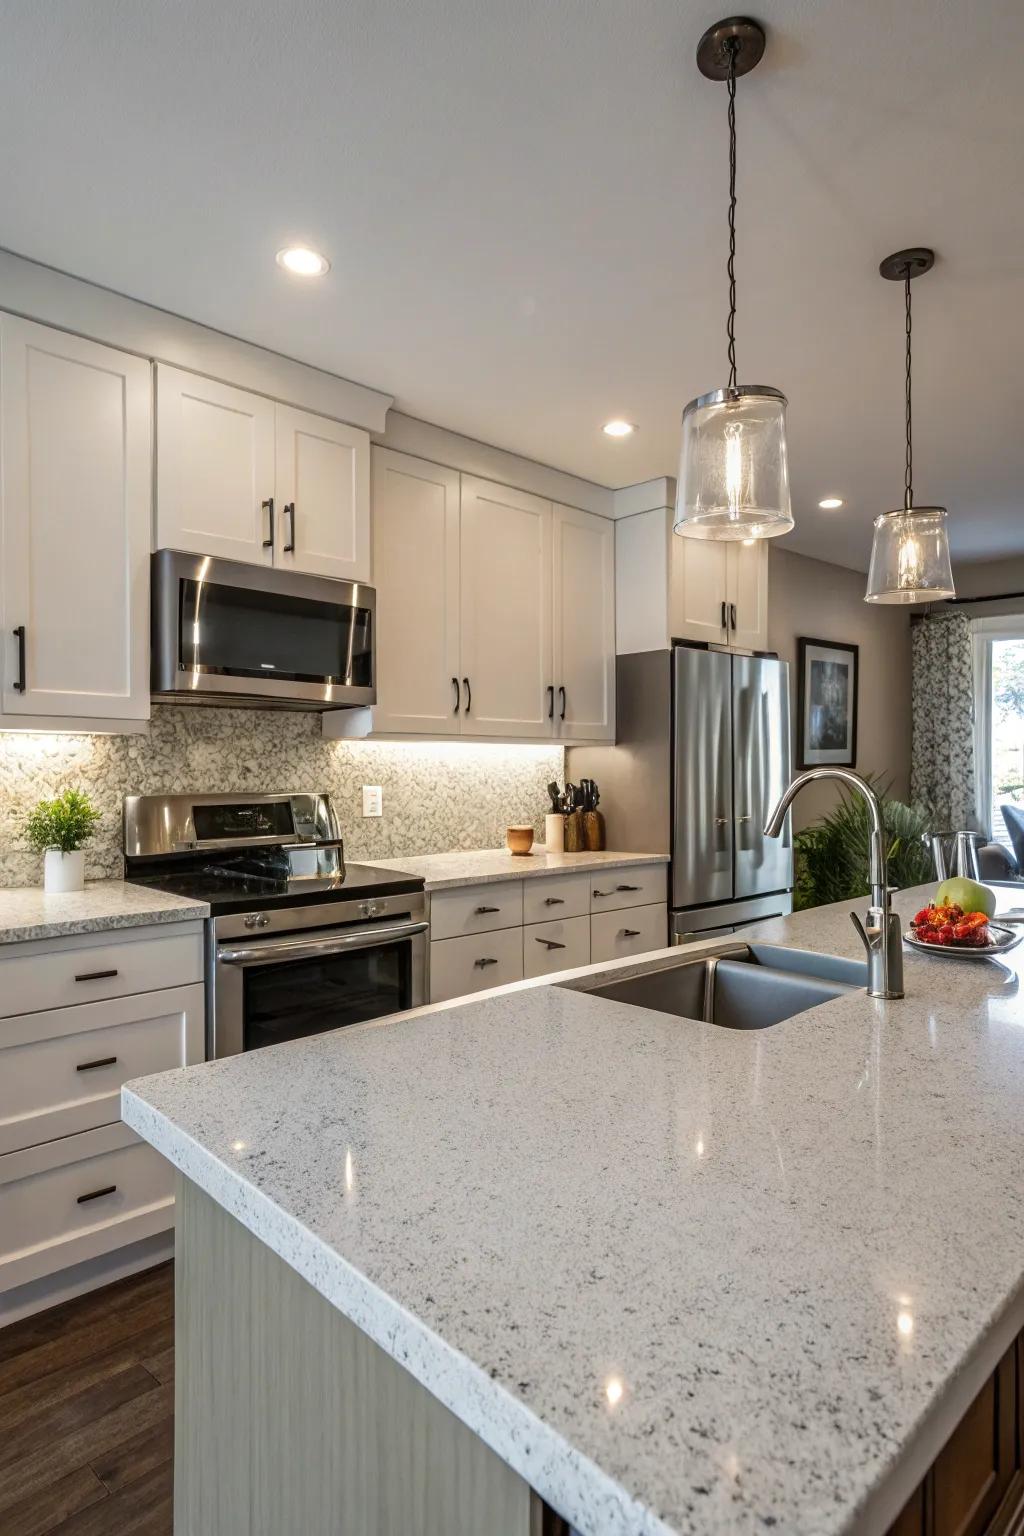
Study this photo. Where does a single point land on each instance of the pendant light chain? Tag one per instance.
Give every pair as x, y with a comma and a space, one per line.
733, 46
908, 479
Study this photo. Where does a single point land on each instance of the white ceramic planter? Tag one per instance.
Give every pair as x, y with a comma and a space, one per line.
63, 872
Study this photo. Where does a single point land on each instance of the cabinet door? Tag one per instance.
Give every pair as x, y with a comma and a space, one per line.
697, 590
583, 624
416, 560
214, 468
323, 496
75, 507
506, 612
746, 569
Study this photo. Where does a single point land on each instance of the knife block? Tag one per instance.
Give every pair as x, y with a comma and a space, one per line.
575, 837
593, 831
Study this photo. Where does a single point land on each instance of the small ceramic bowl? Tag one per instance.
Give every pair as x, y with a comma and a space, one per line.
519, 839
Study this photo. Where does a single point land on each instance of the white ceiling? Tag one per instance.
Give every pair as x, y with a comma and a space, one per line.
524, 204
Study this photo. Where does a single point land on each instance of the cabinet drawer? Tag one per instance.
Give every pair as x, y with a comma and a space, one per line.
637, 886
551, 947
46, 1224
553, 896
476, 909
75, 971
459, 966
61, 1071
614, 935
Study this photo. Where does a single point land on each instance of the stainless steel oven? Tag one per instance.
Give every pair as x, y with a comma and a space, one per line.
298, 941
228, 633
285, 973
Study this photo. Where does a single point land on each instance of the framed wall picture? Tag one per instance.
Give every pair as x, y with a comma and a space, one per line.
827, 721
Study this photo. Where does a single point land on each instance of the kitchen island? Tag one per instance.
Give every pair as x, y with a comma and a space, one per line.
677, 1278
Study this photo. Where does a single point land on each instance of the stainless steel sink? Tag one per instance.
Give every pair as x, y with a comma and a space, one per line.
749, 987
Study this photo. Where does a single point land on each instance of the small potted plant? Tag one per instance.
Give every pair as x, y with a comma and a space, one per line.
58, 829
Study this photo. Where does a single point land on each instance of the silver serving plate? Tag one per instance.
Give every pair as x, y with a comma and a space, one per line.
1003, 939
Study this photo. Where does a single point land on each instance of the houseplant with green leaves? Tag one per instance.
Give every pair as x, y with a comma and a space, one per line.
59, 830
832, 855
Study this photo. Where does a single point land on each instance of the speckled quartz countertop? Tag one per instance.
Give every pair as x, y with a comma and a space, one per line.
442, 871
683, 1279
27, 912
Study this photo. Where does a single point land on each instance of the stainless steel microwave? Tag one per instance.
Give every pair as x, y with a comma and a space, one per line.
228, 633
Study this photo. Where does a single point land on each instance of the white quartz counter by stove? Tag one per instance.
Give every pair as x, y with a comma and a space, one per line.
444, 871
27, 912
683, 1279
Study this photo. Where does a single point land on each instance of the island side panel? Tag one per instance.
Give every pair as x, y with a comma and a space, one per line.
289, 1418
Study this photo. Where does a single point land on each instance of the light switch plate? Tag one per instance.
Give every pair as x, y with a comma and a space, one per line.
373, 800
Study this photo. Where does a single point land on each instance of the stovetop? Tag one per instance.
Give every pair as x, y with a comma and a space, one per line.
228, 888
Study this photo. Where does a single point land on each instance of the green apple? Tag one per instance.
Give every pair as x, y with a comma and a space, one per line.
968, 895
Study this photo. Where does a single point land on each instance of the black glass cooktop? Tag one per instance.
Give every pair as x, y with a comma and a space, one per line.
246, 883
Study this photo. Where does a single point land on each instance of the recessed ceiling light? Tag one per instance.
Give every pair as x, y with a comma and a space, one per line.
829, 503
302, 262
618, 428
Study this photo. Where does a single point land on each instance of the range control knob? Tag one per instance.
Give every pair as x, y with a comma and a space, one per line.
251, 919
369, 908
262, 921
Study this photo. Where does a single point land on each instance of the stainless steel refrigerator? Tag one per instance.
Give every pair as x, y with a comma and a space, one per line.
702, 754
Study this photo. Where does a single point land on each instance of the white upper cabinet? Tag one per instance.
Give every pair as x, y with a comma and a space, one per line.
244, 478
670, 588
697, 594
214, 468
416, 564
583, 666
506, 612
75, 512
746, 592
323, 496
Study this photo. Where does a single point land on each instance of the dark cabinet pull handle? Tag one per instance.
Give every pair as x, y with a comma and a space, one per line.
554, 901
732, 614
469, 694
550, 944
95, 975
561, 695
604, 893
458, 696
19, 635
482, 911
289, 511
101, 1061
724, 623
551, 701
631, 933
268, 506
627, 887
97, 1194
480, 964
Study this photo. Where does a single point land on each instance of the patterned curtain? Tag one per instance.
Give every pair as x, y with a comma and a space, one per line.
942, 742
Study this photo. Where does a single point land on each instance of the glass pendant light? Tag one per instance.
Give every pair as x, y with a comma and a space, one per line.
733, 476
910, 549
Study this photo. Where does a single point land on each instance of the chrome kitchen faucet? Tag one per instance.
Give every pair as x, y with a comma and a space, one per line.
882, 933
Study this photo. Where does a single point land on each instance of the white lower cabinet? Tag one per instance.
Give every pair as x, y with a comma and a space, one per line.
488, 935
69, 1200
630, 931
550, 947
80, 1016
461, 966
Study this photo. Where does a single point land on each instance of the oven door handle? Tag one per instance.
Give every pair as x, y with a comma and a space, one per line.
307, 949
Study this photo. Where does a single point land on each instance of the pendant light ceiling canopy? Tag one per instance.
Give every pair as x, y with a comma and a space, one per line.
910, 550
733, 474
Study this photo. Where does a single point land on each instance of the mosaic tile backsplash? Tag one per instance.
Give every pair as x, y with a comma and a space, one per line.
437, 796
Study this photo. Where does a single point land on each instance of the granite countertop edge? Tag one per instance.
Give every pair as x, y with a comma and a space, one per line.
28, 913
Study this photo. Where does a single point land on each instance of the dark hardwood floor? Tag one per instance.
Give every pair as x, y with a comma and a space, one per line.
86, 1414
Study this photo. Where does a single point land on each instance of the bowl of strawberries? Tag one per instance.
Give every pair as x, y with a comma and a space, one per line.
948, 930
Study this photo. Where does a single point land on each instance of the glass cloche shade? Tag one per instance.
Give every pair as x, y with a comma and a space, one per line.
910, 557
733, 473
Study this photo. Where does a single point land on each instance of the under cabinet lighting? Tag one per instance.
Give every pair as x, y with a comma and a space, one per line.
618, 428
830, 503
302, 262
